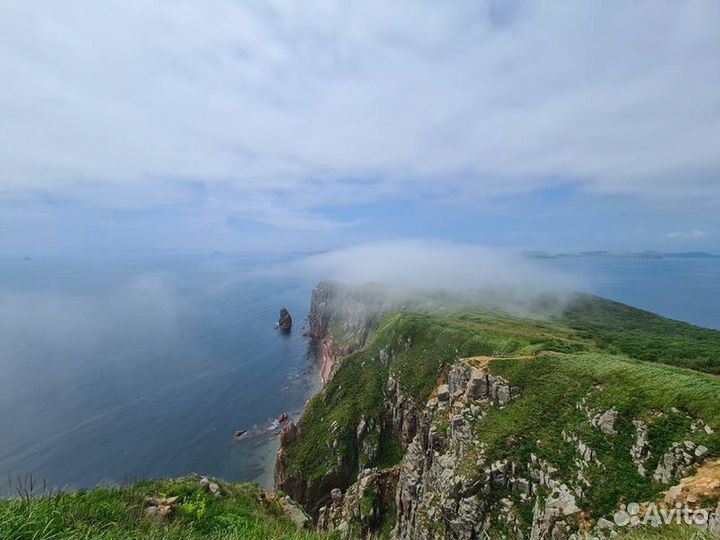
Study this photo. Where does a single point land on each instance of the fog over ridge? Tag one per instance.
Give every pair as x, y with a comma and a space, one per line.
411, 269
428, 264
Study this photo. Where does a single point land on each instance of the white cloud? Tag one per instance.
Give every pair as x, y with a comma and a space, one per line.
426, 264
690, 235
291, 106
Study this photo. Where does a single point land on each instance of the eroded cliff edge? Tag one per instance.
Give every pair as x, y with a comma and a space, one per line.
340, 321
465, 423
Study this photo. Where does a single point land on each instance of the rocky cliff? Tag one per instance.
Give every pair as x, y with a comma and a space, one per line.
470, 425
340, 320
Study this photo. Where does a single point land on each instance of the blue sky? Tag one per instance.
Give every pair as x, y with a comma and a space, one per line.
275, 126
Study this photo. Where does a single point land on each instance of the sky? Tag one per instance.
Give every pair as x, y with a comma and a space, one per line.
302, 126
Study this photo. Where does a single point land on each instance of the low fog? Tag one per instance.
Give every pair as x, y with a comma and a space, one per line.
75, 324
473, 274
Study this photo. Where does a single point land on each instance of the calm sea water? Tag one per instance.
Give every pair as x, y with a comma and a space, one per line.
115, 369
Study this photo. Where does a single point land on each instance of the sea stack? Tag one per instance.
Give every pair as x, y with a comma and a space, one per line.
284, 323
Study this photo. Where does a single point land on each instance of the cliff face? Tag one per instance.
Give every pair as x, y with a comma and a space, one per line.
443, 427
449, 488
321, 306
341, 321
450, 484
312, 492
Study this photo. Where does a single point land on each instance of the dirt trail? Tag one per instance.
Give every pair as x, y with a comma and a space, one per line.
482, 362
703, 485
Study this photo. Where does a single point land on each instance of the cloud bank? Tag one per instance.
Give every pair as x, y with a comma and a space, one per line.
271, 110
429, 265
689, 235
70, 327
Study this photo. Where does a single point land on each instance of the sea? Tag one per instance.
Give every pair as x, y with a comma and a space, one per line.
117, 368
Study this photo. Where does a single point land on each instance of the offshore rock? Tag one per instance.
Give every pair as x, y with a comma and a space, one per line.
284, 323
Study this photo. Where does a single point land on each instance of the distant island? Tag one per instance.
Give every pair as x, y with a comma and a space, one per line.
647, 254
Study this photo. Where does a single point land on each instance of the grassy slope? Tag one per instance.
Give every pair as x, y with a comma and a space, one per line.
643, 335
118, 513
358, 385
589, 325
552, 385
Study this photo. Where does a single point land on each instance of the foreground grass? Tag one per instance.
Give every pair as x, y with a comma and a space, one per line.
118, 512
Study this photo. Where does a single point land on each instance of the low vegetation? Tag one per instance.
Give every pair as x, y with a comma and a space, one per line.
643, 335
119, 512
665, 398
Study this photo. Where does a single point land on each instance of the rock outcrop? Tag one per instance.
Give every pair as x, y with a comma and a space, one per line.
359, 512
678, 461
446, 481
311, 492
448, 485
284, 323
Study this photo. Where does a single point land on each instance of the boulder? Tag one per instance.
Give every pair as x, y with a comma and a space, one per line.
159, 509
207, 485
295, 512
606, 422
477, 386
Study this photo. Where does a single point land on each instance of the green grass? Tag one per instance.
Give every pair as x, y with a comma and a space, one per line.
390, 452
358, 386
118, 512
442, 330
551, 387
644, 335
603, 343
